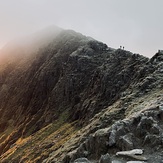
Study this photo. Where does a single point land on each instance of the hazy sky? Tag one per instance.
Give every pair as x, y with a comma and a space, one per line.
135, 24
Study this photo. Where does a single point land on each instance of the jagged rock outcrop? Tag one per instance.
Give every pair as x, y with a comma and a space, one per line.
105, 159
141, 131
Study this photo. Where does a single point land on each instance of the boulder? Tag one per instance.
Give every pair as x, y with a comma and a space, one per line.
82, 160
126, 142
135, 162
116, 161
118, 129
135, 154
112, 137
144, 126
153, 140
105, 159
155, 129
131, 152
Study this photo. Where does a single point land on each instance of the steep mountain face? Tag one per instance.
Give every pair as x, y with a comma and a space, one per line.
53, 101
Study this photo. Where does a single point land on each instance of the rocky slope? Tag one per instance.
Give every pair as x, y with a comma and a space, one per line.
79, 98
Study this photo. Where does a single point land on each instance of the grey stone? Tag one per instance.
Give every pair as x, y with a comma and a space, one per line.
155, 129
131, 152
126, 142
116, 161
134, 154
135, 162
161, 107
152, 140
118, 129
144, 125
112, 137
105, 159
82, 160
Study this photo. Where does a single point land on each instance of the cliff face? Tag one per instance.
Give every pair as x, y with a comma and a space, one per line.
48, 97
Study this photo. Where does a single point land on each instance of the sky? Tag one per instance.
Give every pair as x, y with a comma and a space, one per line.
135, 24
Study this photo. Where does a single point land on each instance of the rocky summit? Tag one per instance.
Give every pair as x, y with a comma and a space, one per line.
73, 99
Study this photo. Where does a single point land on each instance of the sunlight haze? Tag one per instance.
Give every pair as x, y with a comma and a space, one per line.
135, 24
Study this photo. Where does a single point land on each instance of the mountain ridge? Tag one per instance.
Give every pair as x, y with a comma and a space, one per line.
50, 96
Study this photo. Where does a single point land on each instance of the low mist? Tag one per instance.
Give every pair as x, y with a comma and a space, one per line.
135, 25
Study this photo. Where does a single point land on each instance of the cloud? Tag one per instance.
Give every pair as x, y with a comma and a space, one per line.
135, 24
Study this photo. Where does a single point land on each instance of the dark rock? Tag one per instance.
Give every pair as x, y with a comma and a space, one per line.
134, 154
157, 57
118, 129
160, 115
105, 159
100, 141
144, 125
155, 129
112, 138
152, 140
126, 142
90, 145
